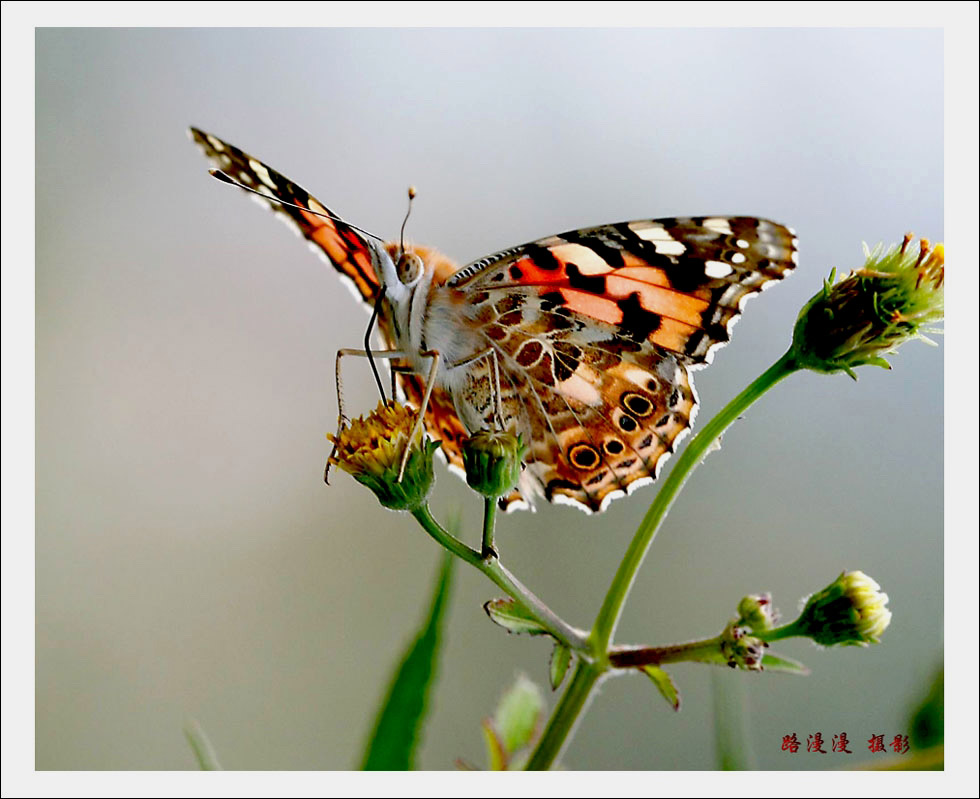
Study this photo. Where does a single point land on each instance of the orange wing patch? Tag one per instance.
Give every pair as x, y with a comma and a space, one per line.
348, 251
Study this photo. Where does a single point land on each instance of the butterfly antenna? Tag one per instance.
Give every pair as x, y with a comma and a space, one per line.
401, 236
367, 342
226, 178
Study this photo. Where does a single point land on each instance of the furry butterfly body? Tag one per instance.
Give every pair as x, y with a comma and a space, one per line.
584, 342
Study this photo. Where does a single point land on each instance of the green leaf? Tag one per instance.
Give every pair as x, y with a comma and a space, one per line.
497, 756
204, 753
561, 657
664, 684
395, 738
513, 617
778, 663
518, 714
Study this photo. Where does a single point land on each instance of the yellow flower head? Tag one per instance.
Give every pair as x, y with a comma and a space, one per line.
371, 449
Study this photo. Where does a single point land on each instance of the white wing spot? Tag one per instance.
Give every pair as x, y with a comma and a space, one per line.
263, 173
738, 258
669, 247
651, 232
588, 262
718, 224
742, 243
717, 269
217, 144
662, 241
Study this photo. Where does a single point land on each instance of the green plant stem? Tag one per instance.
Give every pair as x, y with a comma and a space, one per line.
574, 699
566, 713
492, 568
790, 630
612, 605
489, 520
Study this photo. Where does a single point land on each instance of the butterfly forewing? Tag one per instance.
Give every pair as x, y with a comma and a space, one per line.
678, 282
346, 249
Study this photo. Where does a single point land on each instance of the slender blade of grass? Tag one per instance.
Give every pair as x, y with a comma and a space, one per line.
395, 739
733, 746
204, 754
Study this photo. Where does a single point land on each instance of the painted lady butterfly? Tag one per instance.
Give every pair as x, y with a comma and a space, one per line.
584, 342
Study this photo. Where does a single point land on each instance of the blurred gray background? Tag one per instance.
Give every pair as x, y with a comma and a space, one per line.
190, 561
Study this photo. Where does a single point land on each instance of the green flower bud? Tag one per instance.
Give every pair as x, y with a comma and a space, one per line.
371, 449
897, 296
740, 649
851, 611
493, 461
756, 612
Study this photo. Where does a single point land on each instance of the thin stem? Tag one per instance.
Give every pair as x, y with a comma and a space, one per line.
567, 712
492, 568
612, 606
791, 630
489, 519
707, 650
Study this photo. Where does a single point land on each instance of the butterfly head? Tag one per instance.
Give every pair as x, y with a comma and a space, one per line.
399, 271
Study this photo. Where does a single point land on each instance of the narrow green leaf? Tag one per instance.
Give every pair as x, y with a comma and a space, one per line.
778, 663
518, 714
204, 753
561, 657
395, 738
664, 684
513, 617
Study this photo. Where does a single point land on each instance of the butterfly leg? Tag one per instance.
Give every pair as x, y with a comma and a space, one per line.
419, 422
341, 417
385, 354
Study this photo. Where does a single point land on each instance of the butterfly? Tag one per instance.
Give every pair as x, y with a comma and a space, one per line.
584, 342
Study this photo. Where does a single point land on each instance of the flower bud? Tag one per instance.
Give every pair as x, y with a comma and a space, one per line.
757, 612
851, 611
897, 296
740, 649
493, 461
